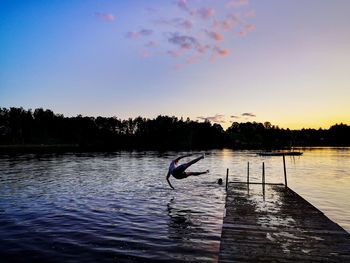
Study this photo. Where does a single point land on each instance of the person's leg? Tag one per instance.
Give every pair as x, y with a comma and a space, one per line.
196, 173
193, 161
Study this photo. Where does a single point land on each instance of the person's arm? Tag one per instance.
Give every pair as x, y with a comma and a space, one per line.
178, 158
167, 178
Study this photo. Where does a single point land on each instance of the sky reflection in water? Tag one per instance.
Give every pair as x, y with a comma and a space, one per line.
118, 206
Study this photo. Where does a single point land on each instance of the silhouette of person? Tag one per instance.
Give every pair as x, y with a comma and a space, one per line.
179, 171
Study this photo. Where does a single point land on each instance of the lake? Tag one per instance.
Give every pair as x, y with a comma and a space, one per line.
118, 207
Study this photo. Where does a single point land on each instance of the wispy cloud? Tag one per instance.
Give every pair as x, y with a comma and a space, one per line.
142, 32
182, 4
219, 52
175, 53
179, 23
191, 32
218, 118
215, 35
228, 24
248, 114
105, 16
202, 49
192, 59
146, 32
247, 29
236, 3
249, 14
186, 24
222, 51
183, 41
234, 117
132, 34
231, 21
205, 12
152, 44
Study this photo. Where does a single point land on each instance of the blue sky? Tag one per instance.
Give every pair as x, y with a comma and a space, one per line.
286, 62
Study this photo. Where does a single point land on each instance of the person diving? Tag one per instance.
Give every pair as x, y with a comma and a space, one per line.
179, 171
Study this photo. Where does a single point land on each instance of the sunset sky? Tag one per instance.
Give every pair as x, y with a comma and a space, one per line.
283, 61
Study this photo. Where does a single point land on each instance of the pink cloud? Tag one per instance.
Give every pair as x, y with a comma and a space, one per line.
186, 24
202, 48
236, 3
206, 12
215, 35
247, 29
176, 22
249, 14
231, 21
175, 53
183, 41
136, 34
196, 32
105, 16
227, 25
250, 27
223, 52
132, 34
192, 59
219, 52
234, 18
182, 4
216, 25
186, 46
152, 44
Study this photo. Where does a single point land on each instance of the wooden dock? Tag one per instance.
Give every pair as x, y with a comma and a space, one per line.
271, 223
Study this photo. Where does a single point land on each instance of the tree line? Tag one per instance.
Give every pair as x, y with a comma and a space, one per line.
22, 127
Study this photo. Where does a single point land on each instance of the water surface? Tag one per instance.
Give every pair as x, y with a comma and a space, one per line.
101, 208
118, 207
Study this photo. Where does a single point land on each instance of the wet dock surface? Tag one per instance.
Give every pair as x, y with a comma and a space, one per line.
279, 226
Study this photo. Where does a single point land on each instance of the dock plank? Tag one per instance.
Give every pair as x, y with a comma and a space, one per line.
279, 226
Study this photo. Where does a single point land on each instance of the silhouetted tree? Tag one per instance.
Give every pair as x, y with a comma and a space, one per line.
23, 127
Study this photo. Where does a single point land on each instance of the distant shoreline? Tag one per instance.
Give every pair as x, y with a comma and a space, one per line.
44, 131
38, 148
66, 148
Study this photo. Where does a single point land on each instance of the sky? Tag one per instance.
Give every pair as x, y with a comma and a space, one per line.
282, 61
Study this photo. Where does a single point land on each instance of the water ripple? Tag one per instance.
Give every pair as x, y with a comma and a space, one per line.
73, 208
118, 207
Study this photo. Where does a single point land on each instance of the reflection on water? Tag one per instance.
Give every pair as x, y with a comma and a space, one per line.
184, 224
181, 224
105, 208
118, 207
